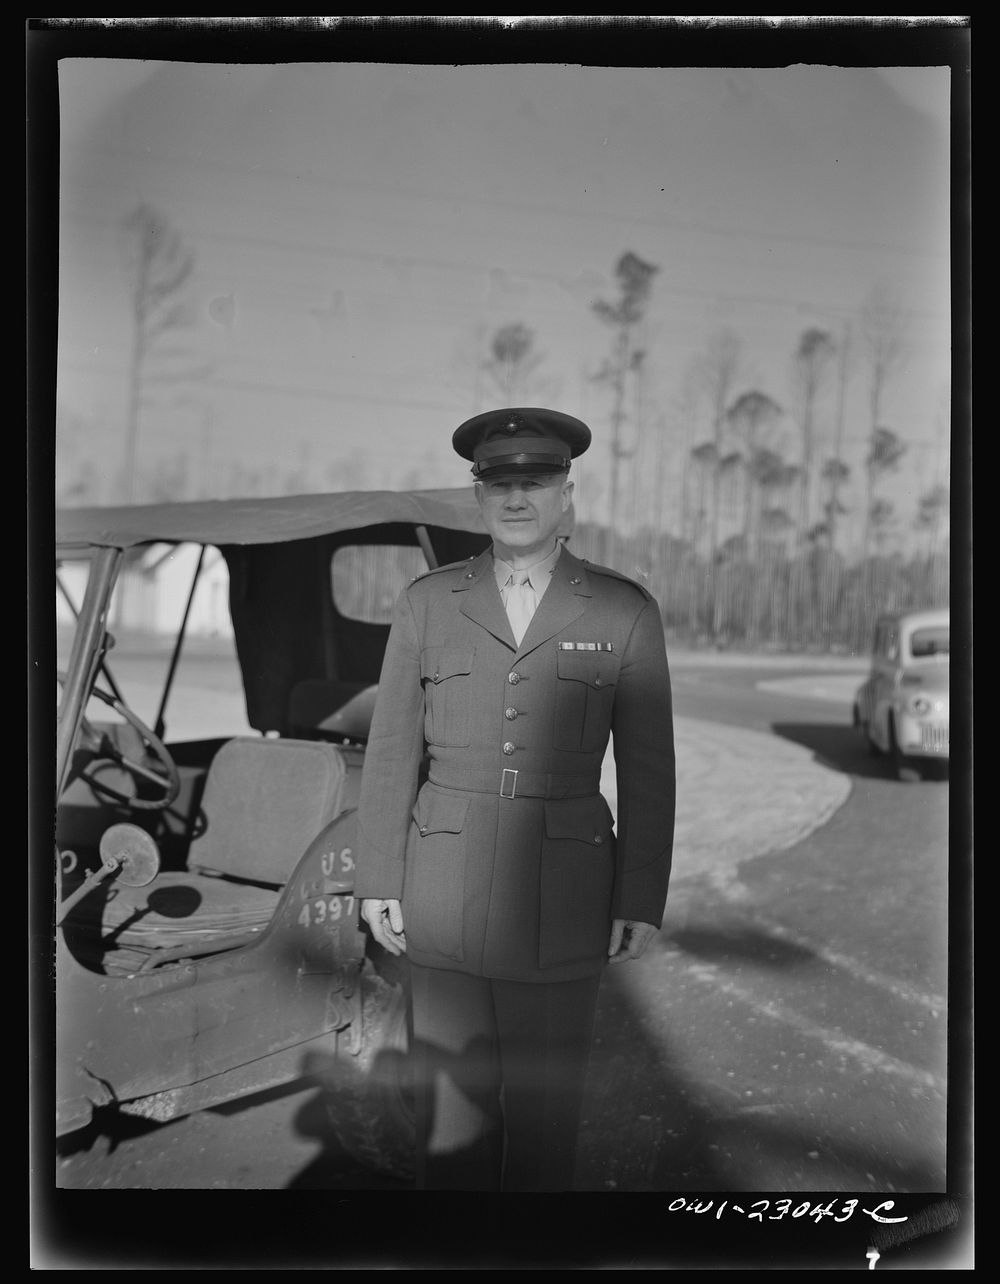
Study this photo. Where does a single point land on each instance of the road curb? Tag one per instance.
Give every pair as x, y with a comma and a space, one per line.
741, 794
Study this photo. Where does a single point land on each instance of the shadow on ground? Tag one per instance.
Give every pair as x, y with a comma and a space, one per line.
844, 749
739, 942
650, 1127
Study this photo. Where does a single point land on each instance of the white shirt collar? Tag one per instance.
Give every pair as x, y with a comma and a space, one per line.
538, 573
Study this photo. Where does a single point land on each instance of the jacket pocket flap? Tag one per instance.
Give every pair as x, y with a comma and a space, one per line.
596, 668
585, 820
440, 662
440, 813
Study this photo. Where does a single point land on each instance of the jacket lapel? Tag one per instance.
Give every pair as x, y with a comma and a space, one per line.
565, 600
481, 599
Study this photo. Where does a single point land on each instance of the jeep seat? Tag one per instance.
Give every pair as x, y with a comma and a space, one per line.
265, 800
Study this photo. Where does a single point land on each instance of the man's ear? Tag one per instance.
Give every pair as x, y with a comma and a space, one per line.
567, 494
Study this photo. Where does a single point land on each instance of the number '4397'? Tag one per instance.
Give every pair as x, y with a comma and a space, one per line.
325, 911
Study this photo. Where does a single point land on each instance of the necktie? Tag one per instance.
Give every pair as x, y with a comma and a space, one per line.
521, 603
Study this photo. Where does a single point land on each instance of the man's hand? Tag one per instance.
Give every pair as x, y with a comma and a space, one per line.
629, 939
385, 918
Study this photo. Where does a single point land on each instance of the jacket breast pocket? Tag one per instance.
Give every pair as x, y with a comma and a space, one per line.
445, 673
585, 695
577, 881
434, 886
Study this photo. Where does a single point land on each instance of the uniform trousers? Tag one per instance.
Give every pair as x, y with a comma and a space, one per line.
499, 1071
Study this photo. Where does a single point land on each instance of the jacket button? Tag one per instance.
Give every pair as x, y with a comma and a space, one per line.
510, 714
509, 748
470, 575
423, 829
576, 580
598, 839
597, 682
513, 678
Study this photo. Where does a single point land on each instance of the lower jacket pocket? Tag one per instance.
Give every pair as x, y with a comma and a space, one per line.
577, 881
434, 886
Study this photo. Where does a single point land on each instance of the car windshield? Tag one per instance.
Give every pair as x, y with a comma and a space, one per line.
929, 642
207, 685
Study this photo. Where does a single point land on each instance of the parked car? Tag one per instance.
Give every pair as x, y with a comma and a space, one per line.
902, 706
207, 940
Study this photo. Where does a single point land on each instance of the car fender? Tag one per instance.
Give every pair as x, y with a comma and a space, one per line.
187, 1021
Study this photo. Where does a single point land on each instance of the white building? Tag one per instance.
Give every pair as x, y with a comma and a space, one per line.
156, 591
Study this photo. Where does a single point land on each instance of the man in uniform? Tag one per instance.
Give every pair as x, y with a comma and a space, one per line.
501, 876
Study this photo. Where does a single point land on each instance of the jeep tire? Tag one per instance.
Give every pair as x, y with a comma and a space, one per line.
370, 1105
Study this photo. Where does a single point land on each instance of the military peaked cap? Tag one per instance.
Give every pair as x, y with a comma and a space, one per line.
525, 439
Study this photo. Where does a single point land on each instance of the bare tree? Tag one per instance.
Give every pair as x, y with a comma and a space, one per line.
834, 475
705, 457
812, 363
685, 411
884, 453
883, 342
77, 477
882, 516
511, 361
748, 414
159, 268
811, 366
933, 511
835, 472
717, 370
933, 514
624, 367
776, 523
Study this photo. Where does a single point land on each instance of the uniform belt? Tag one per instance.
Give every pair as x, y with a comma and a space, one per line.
511, 783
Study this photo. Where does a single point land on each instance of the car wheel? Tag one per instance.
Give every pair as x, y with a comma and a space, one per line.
865, 729
369, 1098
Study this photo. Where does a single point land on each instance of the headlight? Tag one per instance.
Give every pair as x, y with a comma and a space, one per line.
920, 705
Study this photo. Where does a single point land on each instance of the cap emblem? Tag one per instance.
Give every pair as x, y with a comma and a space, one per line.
520, 440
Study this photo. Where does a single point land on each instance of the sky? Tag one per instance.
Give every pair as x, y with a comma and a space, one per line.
361, 230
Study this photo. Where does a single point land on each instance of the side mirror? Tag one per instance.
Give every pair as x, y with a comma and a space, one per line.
127, 852
131, 854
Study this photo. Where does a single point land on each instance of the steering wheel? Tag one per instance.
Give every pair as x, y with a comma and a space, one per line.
103, 747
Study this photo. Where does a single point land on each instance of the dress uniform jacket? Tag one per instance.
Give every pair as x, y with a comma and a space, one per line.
505, 858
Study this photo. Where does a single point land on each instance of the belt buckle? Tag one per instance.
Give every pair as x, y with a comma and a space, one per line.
512, 772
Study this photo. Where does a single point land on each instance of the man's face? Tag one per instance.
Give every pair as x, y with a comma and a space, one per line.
523, 512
